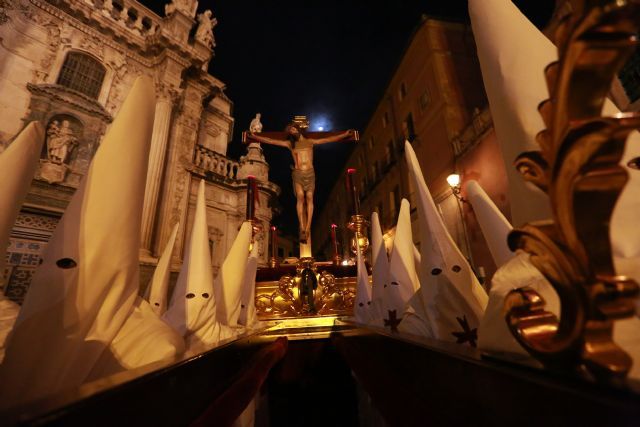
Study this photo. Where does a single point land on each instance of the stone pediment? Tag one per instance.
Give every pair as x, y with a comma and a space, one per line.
71, 97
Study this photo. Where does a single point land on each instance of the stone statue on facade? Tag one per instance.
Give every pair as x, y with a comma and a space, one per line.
60, 141
256, 125
187, 7
206, 24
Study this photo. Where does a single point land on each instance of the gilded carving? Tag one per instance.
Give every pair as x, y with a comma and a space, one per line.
578, 167
332, 297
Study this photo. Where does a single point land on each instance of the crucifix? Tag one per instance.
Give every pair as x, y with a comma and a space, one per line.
300, 143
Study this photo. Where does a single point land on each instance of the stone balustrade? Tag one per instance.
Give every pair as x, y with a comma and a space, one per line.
481, 122
214, 162
128, 14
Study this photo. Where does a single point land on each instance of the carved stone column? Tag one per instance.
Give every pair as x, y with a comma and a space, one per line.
176, 190
161, 124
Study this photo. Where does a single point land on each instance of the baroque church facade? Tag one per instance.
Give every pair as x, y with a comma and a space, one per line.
70, 64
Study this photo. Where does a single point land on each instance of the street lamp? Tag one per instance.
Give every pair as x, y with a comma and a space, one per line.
454, 182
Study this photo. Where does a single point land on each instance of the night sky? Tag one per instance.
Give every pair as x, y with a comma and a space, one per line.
329, 60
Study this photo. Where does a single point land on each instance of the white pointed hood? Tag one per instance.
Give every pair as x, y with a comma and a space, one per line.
192, 310
362, 305
403, 280
451, 294
84, 290
493, 224
18, 165
513, 55
248, 316
228, 286
144, 338
159, 286
380, 267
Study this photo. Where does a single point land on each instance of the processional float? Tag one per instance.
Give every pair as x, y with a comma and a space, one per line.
411, 381
317, 292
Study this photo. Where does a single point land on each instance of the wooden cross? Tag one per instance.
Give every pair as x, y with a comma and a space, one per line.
311, 135
303, 123
301, 147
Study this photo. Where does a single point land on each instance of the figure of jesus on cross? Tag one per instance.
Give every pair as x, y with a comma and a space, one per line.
301, 143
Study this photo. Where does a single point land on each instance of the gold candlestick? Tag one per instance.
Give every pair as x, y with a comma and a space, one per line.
273, 261
358, 224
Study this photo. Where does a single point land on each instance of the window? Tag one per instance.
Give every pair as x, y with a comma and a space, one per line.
402, 92
387, 154
391, 156
408, 130
82, 73
385, 120
423, 102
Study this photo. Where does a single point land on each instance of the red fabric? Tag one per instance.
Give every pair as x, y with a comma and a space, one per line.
228, 407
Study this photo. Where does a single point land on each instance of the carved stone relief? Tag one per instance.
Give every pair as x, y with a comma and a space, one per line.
74, 125
63, 134
93, 45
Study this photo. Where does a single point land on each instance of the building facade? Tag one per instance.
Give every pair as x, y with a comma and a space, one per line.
432, 96
70, 64
436, 100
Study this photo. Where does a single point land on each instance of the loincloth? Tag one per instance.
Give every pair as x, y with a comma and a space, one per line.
306, 179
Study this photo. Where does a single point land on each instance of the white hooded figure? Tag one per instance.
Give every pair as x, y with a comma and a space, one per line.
159, 286
380, 271
229, 284
403, 280
453, 300
248, 316
495, 227
192, 310
85, 289
515, 86
362, 306
18, 164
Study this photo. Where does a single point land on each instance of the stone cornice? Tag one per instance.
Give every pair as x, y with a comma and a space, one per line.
149, 49
71, 97
220, 114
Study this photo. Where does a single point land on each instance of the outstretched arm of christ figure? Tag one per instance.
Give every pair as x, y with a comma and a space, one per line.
265, 140
347, 135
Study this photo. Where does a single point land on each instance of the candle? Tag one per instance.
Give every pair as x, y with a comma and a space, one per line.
334, 240
353, 191
251, 197
274, 242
